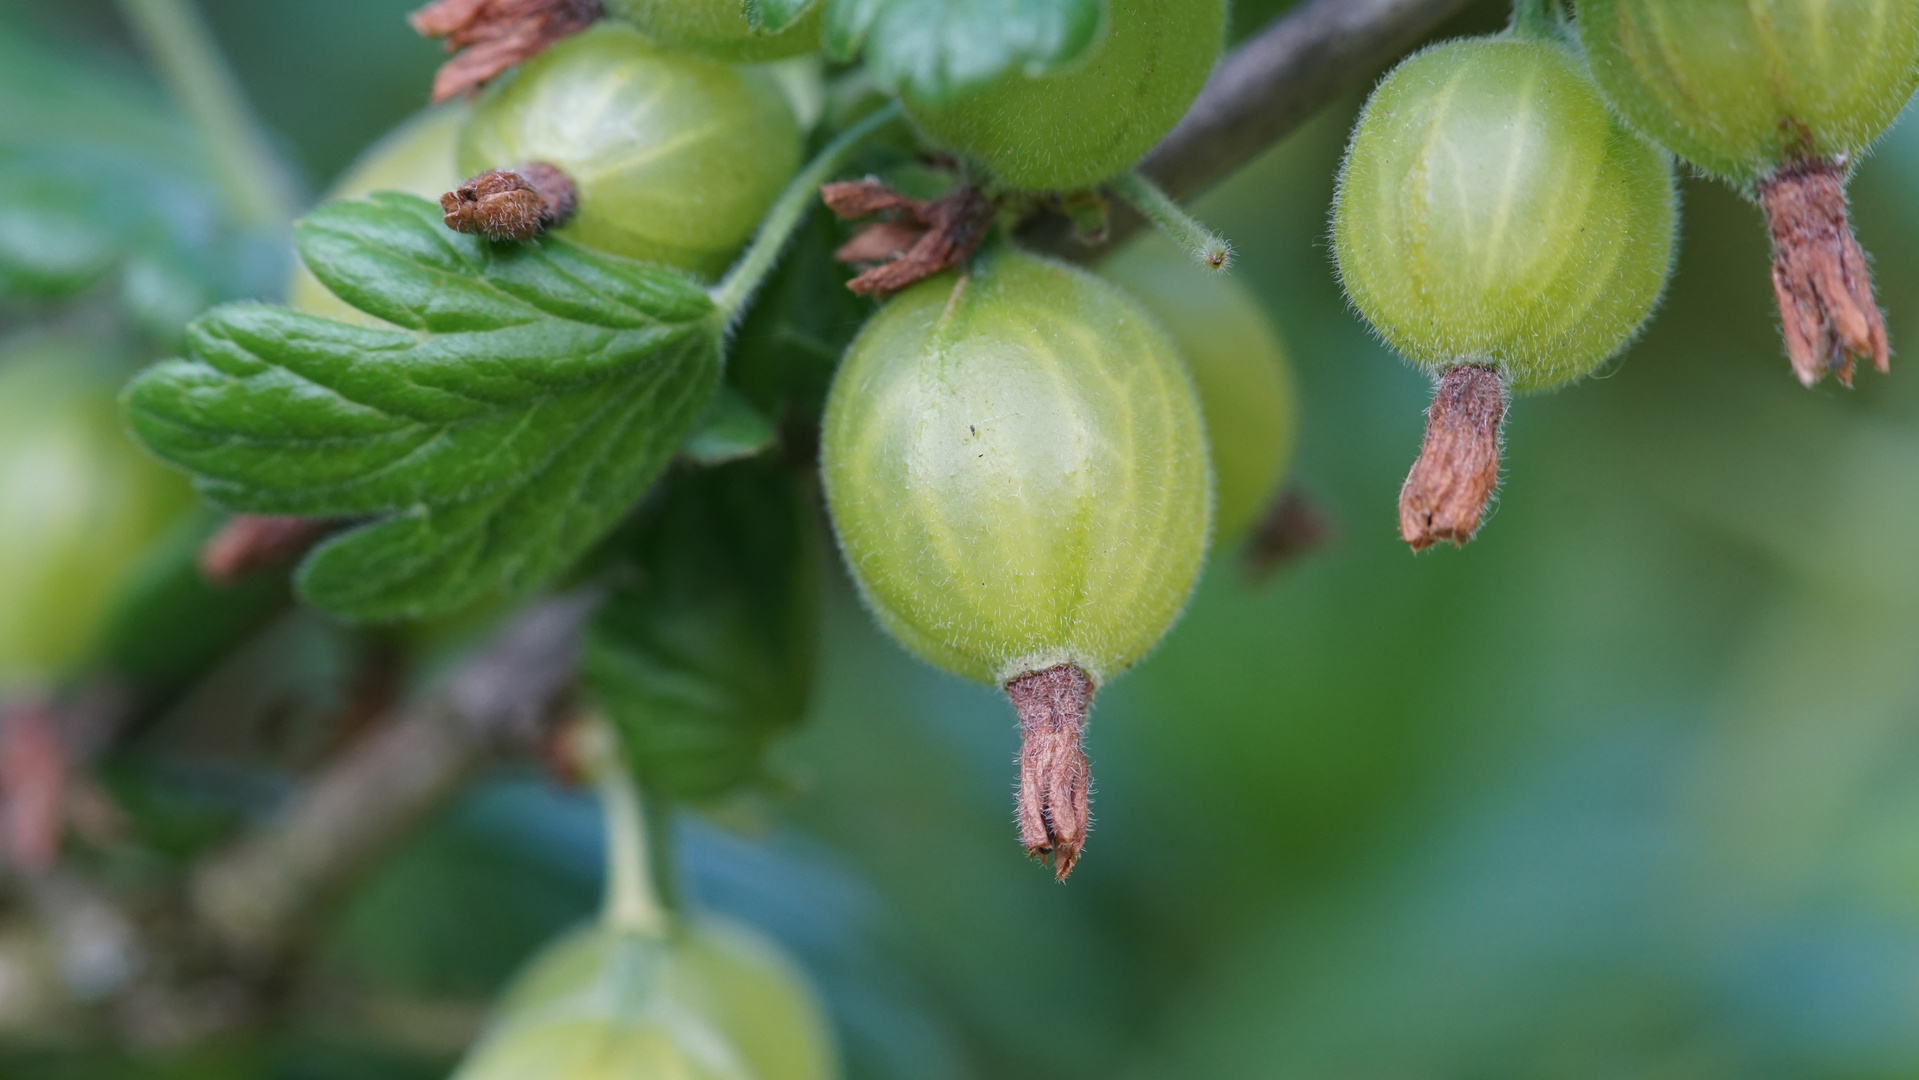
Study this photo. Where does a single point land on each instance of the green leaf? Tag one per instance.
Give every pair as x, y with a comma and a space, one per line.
787, 347
934, 50
707, 654
529, 396
773, 16
731, 429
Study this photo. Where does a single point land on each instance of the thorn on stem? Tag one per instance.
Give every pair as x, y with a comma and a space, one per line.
489, 36
1819, 274
518, 204
1446, 493
1054, 815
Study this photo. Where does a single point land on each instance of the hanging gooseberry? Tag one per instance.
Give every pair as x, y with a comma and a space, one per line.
718, 28
1239, 368
81, 503
1499, 228
1016, 467
668, 158
1075, 127
1778, 97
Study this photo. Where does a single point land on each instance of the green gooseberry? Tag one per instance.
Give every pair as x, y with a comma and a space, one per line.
82, 503
1239, 367
674, 158
1077, 126
1492, 211
718, 29
1779, 97
416, 158
708, 999
1742, 87
1016, 467
1497, 226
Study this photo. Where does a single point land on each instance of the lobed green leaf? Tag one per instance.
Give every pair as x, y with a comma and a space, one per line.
525, 398
935, 50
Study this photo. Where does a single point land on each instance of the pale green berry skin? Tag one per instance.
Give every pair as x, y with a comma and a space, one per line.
1741, 87
1016, 466
79, 504
718, 29
1492, 211
676, 158
1239, 366
709, 1000
416, 158
1075, 127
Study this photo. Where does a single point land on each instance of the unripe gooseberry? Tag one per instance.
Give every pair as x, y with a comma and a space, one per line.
709, 999
1779, 97
1239, 367
79, 503
674, 159
1492, 216
1075, 127
1016, 466
718, 28
416, 158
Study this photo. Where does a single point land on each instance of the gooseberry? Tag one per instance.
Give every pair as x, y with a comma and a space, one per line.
707, 999
1779, 97
1239, 368
1498, 227
416, 158
718, 28
1016, 467
82, 501
1075, 127
674, 159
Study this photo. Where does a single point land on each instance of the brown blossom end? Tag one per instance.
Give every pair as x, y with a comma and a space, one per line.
1819, 274
489, 36
1054, 780
1295, 526
1458, 468
920, 238
250, 543
517, 204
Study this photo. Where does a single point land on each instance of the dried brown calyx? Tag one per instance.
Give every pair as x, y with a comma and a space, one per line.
1819, 274
511, 204
1054, 780
1295, 526
250, 543
488, 36
1446, 493
917, 239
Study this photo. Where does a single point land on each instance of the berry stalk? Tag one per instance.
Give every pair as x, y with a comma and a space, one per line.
739, 284
1208, 247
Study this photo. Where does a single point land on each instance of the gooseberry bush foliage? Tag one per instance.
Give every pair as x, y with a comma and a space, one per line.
664, 300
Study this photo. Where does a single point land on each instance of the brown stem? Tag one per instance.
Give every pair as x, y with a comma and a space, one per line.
490, 36
1446, 493
1053, 775
511, 204
250, 543
1819, 274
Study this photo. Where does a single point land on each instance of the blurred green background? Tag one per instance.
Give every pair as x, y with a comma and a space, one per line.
1629, 787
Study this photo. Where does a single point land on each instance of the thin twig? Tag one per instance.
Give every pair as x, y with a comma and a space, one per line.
253, 896
1263, 91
